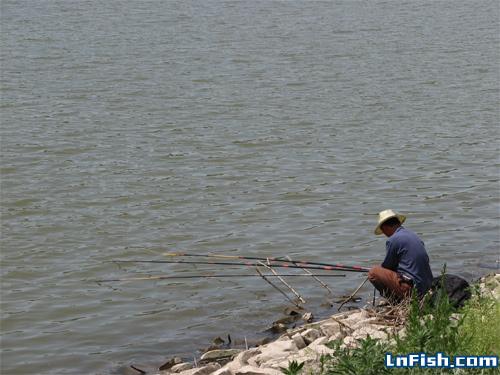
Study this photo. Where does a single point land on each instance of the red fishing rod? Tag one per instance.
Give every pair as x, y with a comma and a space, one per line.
297, 262
175, 277
283, 264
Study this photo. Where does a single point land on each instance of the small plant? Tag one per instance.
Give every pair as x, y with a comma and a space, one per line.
293, 368
366, 359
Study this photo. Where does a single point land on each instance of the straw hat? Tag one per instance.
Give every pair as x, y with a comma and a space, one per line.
385, 215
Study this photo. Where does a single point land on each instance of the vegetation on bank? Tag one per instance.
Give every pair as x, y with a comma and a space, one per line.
471, 330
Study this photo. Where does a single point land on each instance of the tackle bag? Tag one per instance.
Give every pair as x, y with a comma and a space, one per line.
456, 288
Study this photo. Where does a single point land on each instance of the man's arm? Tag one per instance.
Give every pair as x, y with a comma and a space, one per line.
391, 260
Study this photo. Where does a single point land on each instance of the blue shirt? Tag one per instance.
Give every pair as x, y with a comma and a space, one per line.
406, 254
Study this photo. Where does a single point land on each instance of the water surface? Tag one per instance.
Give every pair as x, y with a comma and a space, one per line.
130, 128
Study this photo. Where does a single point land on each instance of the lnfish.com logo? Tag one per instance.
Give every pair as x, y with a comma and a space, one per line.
439, 360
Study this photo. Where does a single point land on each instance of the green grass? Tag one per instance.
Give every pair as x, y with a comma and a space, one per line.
480, 326
294, 368
366, 359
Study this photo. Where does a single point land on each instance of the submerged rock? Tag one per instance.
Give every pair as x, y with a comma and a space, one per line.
170, 363
308, 317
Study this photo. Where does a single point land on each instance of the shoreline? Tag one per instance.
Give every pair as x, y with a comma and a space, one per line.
306, 343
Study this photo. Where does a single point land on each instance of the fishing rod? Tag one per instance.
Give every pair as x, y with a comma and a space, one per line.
222, 256
247, 264
207, 276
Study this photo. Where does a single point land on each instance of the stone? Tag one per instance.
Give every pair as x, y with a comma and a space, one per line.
330, 328
217, 354
223, 371
310, 335
299, 341
293, 310
232, 366
308, 317
337, 336
244, 356
250, 370
323, 350
170, 363
373, 332
350, 342
274, 350
357, 317
303, 356
181, 367
205, 370
363, 323
319, 341
319, 348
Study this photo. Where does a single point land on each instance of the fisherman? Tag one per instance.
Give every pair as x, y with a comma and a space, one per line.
406, 264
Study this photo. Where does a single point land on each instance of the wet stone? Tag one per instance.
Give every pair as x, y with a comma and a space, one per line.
170, 363
181, 367
218, 354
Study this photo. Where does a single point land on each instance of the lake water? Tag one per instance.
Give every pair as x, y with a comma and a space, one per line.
131, 128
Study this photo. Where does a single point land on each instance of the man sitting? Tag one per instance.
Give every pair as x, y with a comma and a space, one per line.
406, 264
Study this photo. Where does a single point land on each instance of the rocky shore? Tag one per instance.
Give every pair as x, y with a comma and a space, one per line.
306, 344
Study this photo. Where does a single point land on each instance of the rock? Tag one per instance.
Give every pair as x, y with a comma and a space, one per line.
278, 328
217, 354
305, 355
310, 335
318, 346
309, 355
223, 371
250, 370
181, 367
337, 336
264, 341
289, 310
363, 323
275, 350
299, 341
323, 350
232, 366
205, 370
330, 328
319, 341
170, 363
244, 356
356, 317
373, 332
350, 342
307, 317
